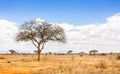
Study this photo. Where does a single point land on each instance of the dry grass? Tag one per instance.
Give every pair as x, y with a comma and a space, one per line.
59, 64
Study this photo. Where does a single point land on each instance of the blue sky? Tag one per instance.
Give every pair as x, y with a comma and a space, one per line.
77, 12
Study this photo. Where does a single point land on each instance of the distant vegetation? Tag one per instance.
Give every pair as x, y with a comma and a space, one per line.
69, 52
93, 52
12, 51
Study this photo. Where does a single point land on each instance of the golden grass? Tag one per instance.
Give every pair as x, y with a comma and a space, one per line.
59, 64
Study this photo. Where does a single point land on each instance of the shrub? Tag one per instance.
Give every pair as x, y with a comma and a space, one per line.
2, 58
103, 54
8, 61
118, 57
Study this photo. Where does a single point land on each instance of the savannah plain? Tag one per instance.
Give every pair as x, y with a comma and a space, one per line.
59, 64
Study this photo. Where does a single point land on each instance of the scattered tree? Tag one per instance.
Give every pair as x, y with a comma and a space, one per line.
93, 52
12, 51
39, 33
69, 52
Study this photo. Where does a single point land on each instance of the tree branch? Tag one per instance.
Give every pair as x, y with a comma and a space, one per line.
43, 46
34, 43
35, 40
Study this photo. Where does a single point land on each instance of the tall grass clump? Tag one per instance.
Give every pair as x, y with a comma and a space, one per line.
102, 65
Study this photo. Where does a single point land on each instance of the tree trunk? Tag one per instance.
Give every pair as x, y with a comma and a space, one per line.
38, 54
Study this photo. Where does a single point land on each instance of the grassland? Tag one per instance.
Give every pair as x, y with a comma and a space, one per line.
59, 64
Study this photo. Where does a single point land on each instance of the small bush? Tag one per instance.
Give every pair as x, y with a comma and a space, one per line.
118, 57
2, 58
103, 54
8, 61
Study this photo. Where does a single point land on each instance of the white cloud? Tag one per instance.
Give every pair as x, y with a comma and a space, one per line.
8, 31
95, 36
104, 37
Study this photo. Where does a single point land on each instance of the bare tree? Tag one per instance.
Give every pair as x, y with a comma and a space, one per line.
39, 32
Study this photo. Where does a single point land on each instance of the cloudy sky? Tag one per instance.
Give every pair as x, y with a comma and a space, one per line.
89, 24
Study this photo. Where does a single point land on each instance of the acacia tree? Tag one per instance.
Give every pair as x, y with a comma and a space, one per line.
69, 52
12, 51
93, 52
40, 32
